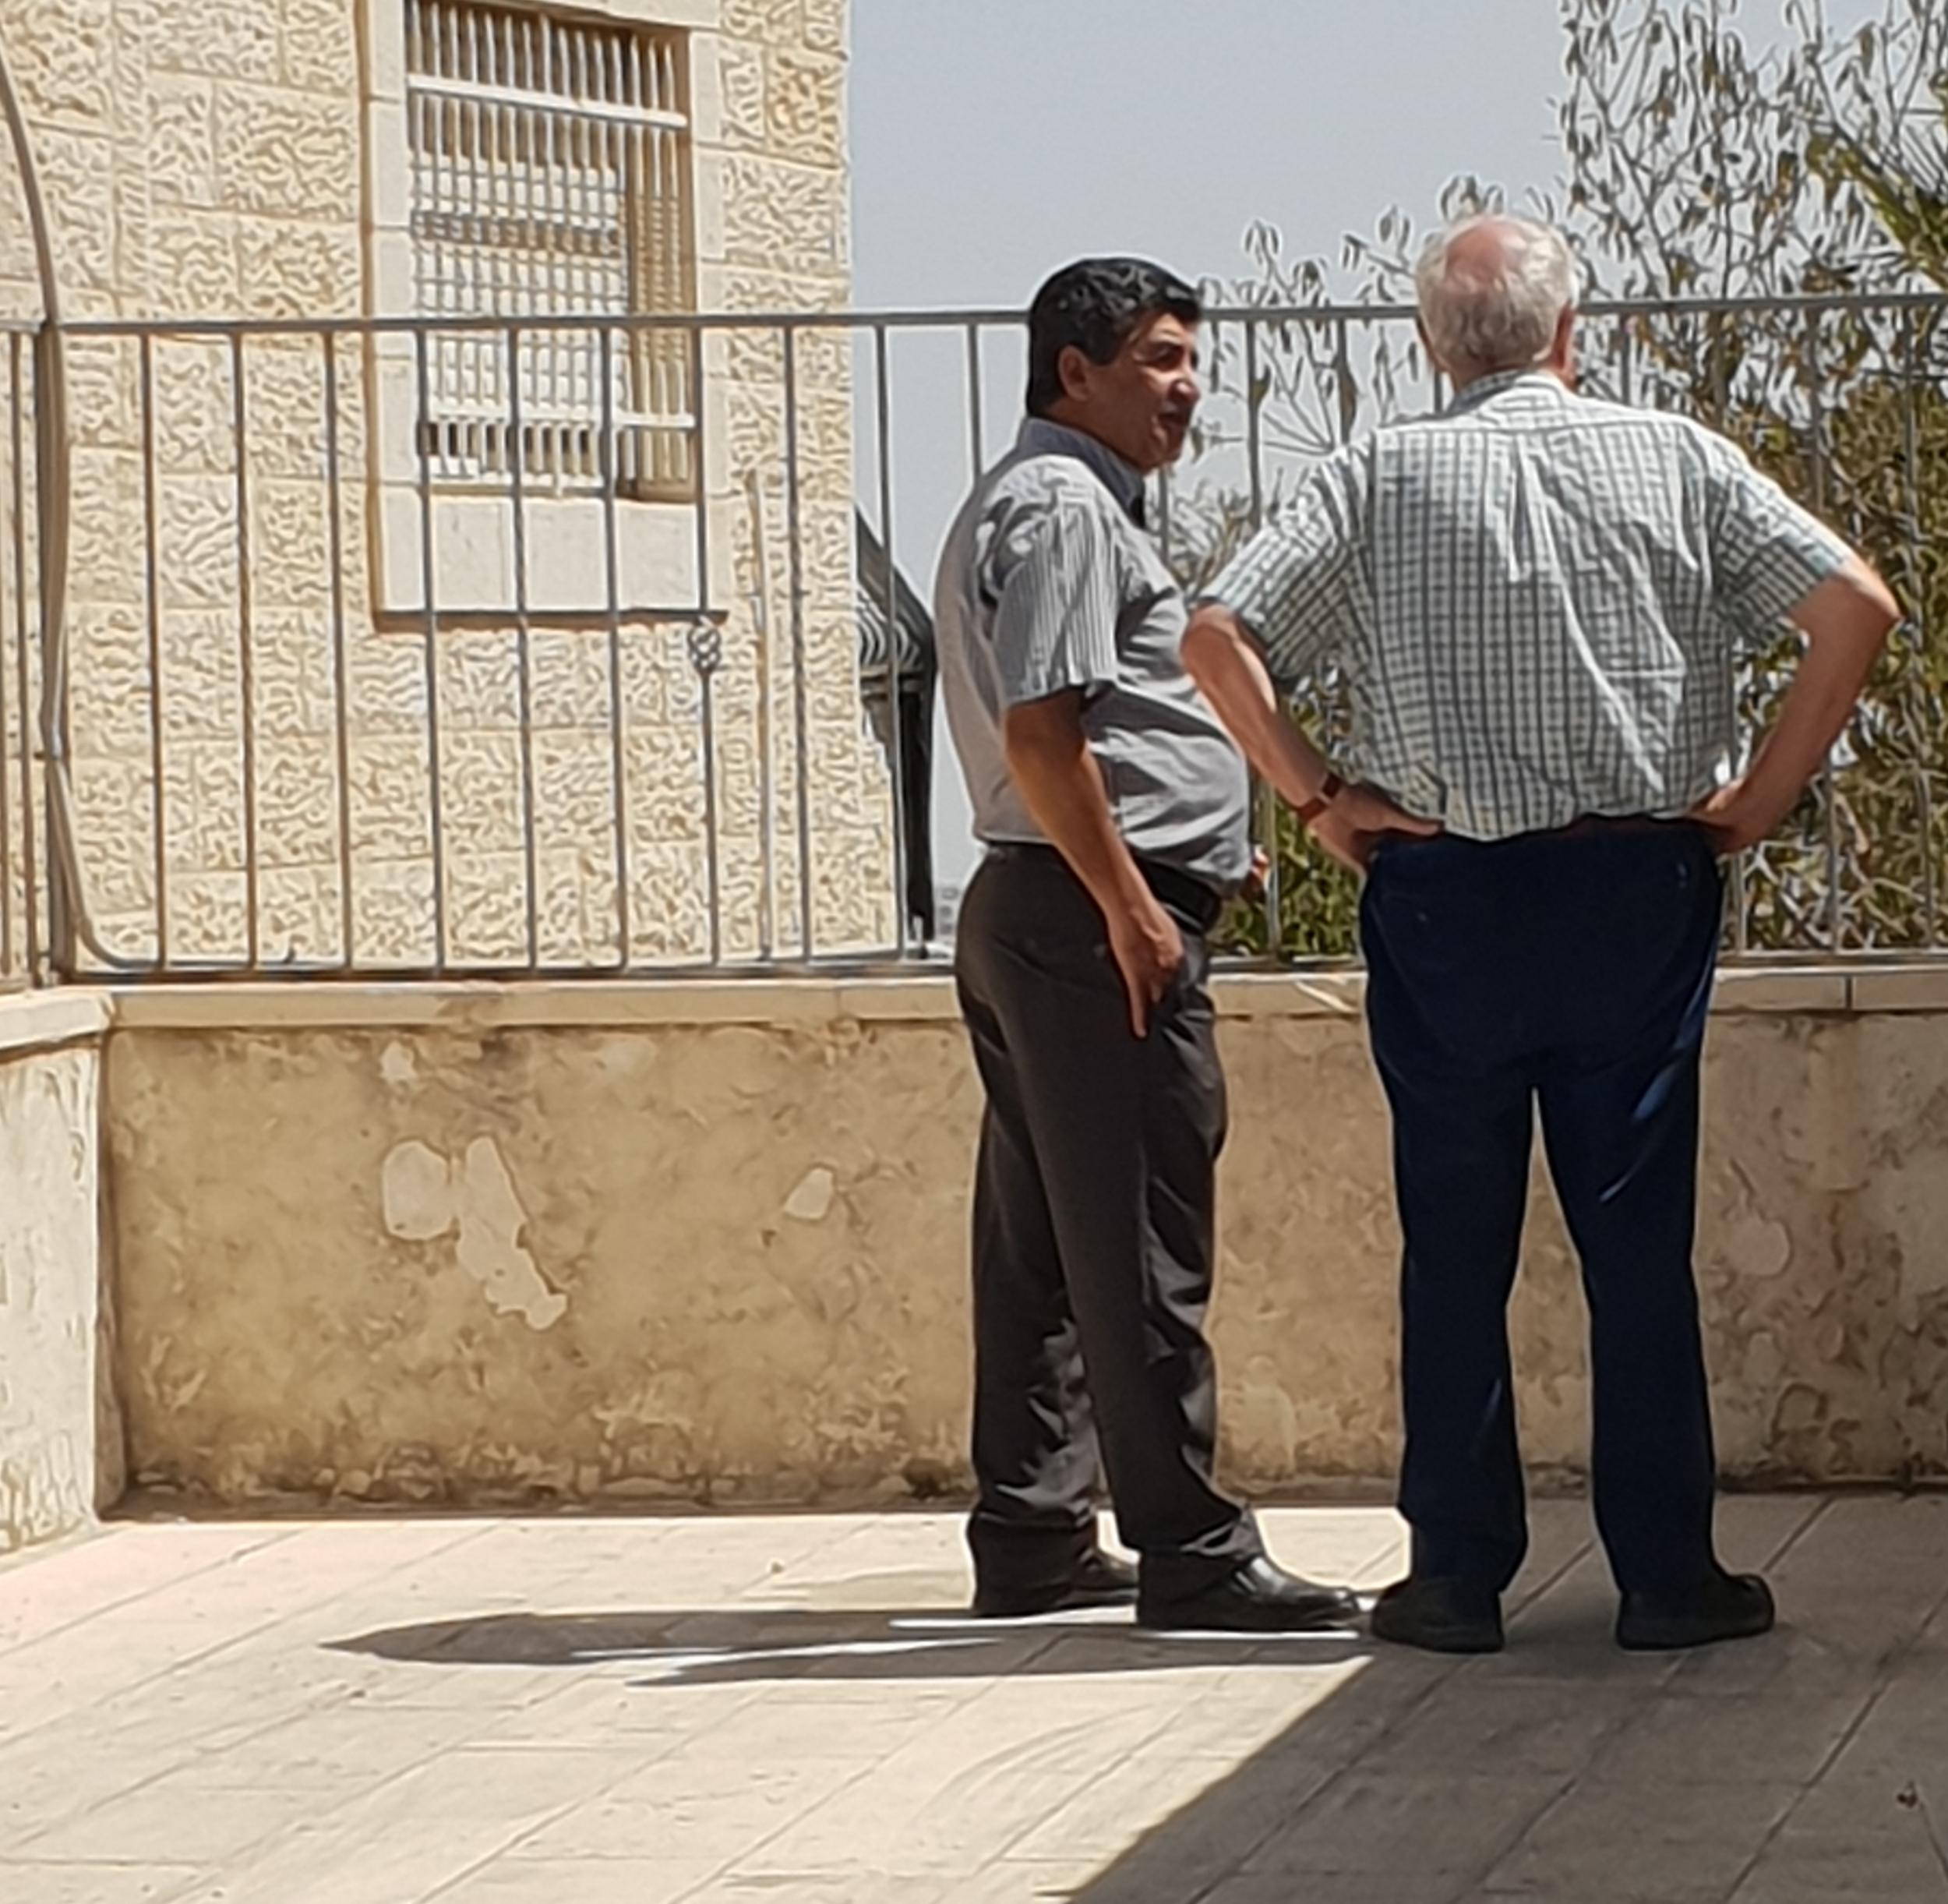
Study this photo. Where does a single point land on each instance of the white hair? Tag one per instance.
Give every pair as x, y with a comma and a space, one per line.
1494, 306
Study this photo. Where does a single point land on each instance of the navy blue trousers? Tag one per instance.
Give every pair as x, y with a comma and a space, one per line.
1569, 972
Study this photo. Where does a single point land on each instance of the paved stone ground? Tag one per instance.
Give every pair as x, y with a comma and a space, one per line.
789, 1708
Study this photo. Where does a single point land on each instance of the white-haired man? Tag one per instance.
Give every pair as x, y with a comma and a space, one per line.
1537, 599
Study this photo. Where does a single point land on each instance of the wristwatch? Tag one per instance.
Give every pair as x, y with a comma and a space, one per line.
1330, 789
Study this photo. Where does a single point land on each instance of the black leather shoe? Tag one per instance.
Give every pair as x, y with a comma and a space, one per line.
1439, 1615
1099, 1579
1728, 1606
1258, 1597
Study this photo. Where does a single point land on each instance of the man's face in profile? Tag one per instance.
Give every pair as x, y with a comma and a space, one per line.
1141, 402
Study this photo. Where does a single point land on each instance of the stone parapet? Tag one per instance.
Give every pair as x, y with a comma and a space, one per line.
707, 1242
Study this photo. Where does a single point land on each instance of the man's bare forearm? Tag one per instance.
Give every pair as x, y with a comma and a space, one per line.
1058, 778
1846, 621
1225, 662
1048, 757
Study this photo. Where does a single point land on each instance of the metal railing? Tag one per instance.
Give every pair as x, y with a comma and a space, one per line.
317, 712
24, 887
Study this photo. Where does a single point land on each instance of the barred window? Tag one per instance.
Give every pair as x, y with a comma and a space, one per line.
550, 177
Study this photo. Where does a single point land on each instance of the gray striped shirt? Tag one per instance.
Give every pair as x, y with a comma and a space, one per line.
1538, 601
1048, 583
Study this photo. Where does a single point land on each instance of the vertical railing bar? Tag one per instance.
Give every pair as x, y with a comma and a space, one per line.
29, 865
713, 846
246, 656
1815, 394
152, 572
1268, 801
1740, 862
341, 670
1918, 595
1254, 425
611, 586
435, 799
1342, 378
882, 408
523, 644
795, 555
699, 424
1930, 883
976, 427
767, 764
706, 653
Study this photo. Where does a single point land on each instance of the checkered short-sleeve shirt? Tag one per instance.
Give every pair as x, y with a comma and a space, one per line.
1538, 601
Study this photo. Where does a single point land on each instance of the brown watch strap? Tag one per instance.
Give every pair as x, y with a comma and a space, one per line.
1330, 789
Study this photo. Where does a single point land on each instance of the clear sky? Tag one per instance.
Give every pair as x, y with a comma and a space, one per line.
993, 139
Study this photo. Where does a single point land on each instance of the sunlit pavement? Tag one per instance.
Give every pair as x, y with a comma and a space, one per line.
644, 1710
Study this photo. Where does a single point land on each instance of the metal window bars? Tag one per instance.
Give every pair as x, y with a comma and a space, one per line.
550, 175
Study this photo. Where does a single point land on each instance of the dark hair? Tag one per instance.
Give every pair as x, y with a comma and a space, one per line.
1095, 304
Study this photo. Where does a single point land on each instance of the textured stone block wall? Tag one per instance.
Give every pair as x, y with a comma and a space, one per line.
213, 161
654, 1246
56, 1464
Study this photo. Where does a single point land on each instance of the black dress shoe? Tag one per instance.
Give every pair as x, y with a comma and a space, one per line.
1728, 1606
1439, 1615
1099, 1579
1258, 1597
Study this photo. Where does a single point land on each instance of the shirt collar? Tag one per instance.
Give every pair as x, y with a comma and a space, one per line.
1483, 389
1040, 437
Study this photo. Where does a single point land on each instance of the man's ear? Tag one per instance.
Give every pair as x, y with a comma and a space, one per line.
1427, 344
1072, 366
1562, 348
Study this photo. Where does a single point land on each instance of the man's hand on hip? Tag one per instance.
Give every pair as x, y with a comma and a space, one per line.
1149, 950
1358, 818
1737, 816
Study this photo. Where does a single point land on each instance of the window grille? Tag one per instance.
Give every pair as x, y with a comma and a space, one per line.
550, 177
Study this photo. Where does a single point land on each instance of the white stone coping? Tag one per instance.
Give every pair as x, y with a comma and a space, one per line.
44, 1021
474, 1006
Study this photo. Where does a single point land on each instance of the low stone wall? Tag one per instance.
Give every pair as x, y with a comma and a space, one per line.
60, 1447
613, 1243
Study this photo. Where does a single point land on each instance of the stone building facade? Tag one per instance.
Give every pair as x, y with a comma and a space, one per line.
255, 624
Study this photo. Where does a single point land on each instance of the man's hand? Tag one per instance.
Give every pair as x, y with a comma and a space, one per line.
1230, 672
1737, 816
1358, 819
1254, 887
1148, 951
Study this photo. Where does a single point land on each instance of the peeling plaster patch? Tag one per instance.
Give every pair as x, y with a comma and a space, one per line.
812, 1201
492, 1222
426, 1197
417, 1187
398, 1065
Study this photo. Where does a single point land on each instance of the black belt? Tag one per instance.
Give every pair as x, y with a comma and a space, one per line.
1203, 904
1182, 891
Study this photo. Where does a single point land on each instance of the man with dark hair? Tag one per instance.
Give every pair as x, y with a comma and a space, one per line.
1113, 809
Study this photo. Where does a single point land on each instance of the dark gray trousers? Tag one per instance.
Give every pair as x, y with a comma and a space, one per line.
1093, 1225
